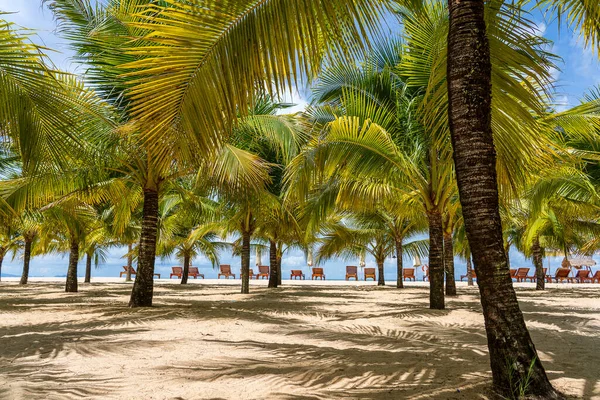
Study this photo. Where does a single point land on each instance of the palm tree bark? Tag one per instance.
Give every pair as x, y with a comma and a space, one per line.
26, 260
273, 270
279, 256
2, 253
381, 277
399, 264
245, 262
449, 265
143, 287
538, 262
186, 269
88, 268
436, 261
469, 272
71, 286
129, 262
513, 358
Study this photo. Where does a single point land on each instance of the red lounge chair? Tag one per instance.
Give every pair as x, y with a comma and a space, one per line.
533, 277
225, 271
466, 276
263, 272
124, 272
177, 272
408, 273
318, 273
595, 277
250, 274
513, 273
370, 273
195, 273
426, 272
581, 276
351, 272
561, 274
296, 273
521, 274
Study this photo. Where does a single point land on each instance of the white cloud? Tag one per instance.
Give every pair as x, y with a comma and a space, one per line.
539, 28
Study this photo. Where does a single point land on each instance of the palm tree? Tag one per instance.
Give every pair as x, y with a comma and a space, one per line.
29, 228
9, 241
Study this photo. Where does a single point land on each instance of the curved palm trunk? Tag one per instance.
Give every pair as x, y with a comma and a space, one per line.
436, 261
129, 262
273, 270
143, 287
399, 264
71, 286
538, 262
513, 358
449, 265
381, 277
186, 269
469, 272
245, 262
279, 256
26, 260
2, 254
88, 268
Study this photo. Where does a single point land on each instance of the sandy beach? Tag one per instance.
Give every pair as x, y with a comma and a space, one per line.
306, 340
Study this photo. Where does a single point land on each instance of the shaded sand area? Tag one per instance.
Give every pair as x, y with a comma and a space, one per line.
207, 341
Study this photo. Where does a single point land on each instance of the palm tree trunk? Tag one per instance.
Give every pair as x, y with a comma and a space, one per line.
71, 286
1, 261
469, 272
186, 269
273, 270
513, 358
449, 265
399, 264
26, 260
143, 287
129, 262
279, 256
88, 268
245, 262
381, 277
538, 262
436, 261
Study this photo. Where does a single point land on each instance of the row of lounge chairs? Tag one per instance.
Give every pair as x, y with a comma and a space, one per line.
519, 274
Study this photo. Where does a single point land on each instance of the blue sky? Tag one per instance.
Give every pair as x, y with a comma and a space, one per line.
578, 71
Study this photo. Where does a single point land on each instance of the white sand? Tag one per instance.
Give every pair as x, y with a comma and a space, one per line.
309, 340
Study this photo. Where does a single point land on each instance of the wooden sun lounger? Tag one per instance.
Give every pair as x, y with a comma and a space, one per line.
133, 272
561, 274
581, 276
351, 272
318, 273
533, 277
225, 271
370, 273
513, 273
177, 272
409, 273
250, 274
473, 275
595, 277
195, 273
521, 274
124, 272
263, 272
296, 273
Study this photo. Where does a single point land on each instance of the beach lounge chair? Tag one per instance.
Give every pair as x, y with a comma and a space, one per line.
425, 272
513, 273
351, 272
318, 273
263, 272
521, 274
195, 273
533, 277
370, 273
408, 273
124, 272
296, 274
561, 274
466, 276
581, 276
225, 271
595, 277
250, 274
176, 272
